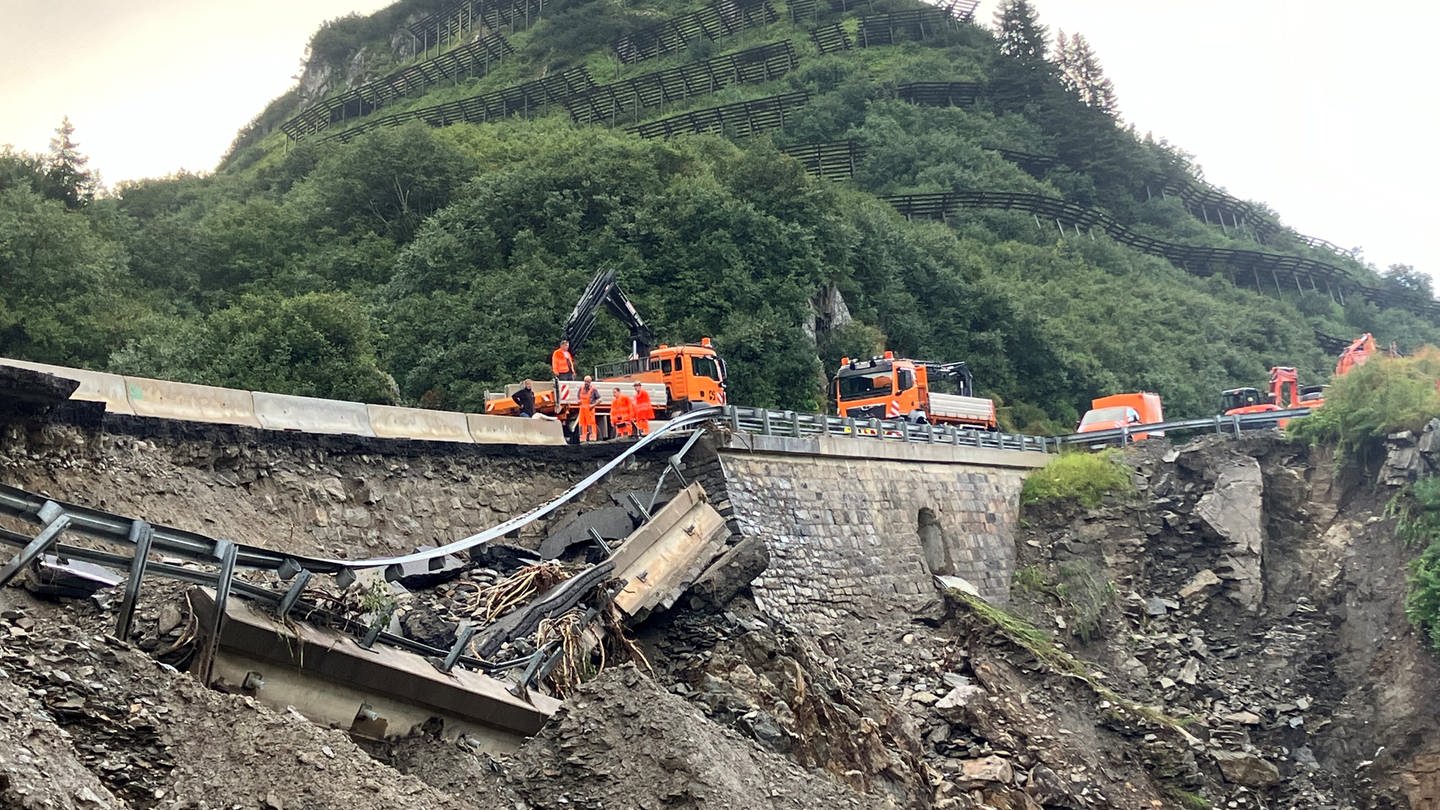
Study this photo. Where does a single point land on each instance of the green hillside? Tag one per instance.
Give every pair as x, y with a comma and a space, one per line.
414, 222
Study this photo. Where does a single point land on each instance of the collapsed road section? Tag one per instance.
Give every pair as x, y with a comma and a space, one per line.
477, 638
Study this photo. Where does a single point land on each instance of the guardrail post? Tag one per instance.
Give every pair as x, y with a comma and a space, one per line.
141, 535
795, 423
765, 421
849, 424
733, 414
904, 430
287, 603
875, 426
1124, 435
32, 551
1236, 421
226, 551
463, 635
930, 432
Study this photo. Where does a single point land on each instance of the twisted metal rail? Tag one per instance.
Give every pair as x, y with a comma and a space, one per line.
139, 539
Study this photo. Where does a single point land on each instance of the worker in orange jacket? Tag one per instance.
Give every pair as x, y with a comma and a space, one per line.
622, 414
562, 362
643, 410
589, 396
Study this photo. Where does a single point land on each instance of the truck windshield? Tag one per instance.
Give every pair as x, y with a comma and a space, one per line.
859, 386
1119, 414
703, 366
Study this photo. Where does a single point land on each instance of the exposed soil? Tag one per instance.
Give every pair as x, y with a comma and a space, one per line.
1231, 636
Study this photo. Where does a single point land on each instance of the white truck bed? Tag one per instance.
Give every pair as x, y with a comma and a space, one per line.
976, 410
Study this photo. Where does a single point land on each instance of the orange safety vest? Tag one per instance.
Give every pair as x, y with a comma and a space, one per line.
587, 400
622, 410
562, 362
644, 411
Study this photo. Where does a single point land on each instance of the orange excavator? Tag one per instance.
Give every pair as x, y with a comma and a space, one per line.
1285, 392
1360, 350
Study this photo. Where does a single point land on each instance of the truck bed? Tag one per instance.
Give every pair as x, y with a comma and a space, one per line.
955, 408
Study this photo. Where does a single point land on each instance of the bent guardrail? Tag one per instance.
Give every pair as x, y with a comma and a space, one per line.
138, 539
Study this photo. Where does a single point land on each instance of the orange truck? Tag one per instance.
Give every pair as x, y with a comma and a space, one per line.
677, 378
890, 387
1123, 410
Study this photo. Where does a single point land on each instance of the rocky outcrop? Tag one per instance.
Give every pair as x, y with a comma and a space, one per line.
1232, 509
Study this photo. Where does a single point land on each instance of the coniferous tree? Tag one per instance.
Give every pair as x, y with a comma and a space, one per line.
1022, 75
1082, 75
65, 171
1021, 34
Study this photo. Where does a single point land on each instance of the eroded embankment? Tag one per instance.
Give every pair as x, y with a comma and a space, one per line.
1231, 633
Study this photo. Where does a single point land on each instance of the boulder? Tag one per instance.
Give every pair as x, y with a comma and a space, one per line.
1199, 584
1245, 769
986, 769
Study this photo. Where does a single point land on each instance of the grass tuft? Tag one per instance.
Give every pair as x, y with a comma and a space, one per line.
1081, 477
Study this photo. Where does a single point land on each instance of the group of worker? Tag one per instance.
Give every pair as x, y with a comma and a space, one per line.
630, 417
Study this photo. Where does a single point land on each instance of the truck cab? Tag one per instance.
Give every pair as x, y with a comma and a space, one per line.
1123, 410
693, 374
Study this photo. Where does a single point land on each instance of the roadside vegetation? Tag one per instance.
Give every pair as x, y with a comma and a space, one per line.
426, 266
1383, 396
1078, 477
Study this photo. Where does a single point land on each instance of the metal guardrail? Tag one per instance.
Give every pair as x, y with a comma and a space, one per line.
1234, 425
793, 424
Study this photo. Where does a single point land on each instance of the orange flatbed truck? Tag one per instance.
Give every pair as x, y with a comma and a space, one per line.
678, 378
890, 387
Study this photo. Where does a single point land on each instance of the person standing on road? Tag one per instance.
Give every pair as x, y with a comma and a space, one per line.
562, 362
622, 414
586, 429
644, 411
525, 398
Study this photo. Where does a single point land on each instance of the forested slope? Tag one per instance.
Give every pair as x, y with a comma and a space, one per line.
414, 222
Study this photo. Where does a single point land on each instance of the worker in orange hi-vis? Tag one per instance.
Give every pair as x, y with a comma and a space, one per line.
643, 410
562, 362
622, 414
586, 429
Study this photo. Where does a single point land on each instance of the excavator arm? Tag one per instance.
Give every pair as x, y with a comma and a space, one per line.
604, 290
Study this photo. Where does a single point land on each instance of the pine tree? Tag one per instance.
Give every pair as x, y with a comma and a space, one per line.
1021, 34
65, 172
1082, 75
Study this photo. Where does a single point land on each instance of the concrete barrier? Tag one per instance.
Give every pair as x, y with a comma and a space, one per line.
162, 399
389, 422
513, 430
95, 386
311, 415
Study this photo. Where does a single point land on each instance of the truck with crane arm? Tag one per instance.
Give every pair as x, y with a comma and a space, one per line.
677, 378
890, 387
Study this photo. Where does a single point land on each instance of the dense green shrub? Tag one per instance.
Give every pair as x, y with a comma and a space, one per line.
1417, 509
1383, 396
1081, 477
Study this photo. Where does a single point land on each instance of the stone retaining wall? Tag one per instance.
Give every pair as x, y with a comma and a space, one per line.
852, 538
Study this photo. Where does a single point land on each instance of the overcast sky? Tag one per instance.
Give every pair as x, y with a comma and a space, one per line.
1319, 108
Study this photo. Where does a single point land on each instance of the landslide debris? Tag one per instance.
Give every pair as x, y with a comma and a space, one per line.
91, 722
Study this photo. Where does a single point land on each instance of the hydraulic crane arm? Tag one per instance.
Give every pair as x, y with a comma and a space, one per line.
964, 379
604, 289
